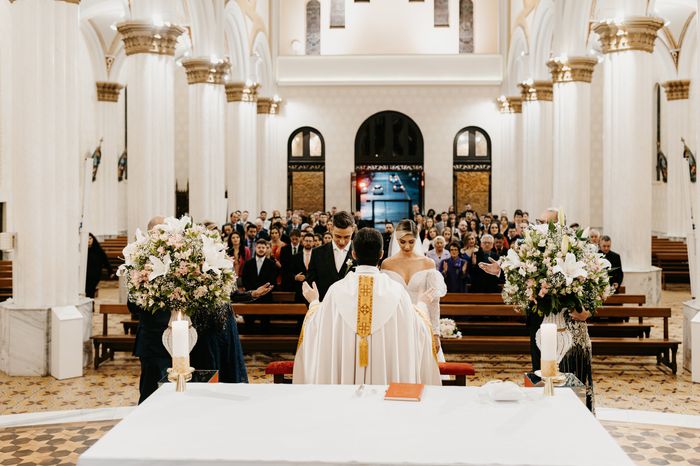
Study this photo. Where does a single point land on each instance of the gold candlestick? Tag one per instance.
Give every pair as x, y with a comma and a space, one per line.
550, 370
180, 373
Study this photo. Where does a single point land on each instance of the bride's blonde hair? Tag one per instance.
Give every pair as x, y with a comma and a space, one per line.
406, 227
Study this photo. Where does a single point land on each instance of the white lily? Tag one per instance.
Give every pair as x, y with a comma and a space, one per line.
160, 267
130, 249
174, 225
605, 263
560, 217
565, 243
542, 228
512, 260
570, 268
215, 258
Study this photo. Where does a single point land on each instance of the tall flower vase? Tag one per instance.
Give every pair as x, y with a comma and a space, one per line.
564, 337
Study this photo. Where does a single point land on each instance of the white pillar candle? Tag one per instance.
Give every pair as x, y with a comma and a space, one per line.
181, 340
548, 342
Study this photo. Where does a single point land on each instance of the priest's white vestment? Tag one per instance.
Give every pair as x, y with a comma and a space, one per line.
399, 345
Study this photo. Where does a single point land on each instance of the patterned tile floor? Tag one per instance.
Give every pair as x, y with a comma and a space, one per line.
627, 383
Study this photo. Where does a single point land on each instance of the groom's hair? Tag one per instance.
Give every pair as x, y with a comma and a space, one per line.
343, 220
368, 246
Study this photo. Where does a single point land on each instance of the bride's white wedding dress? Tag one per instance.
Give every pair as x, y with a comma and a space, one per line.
417, 284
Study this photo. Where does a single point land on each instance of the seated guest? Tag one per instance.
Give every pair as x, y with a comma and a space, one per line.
594, 237
261, 231
481, 281
318, 240
462, 230
265, 222
438, 253
500, 247
300, 266
469, 247
389, 341
286, 259
455, 270
250, 232
493, 229
226, 231
321, 226
447, 234
259, 270
615, 272
276, 245
428, 242
238, 252
442, 223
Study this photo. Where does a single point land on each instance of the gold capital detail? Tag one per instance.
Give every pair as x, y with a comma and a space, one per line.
268, 105
108, 92
633, 33
510, 104
365, 286
677, 90
205, 71
572, 69
242, 92
144, 37
532, 91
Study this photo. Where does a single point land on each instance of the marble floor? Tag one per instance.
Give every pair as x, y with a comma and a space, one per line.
623, 384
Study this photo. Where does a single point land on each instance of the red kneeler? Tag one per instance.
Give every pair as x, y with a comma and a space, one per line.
460, 371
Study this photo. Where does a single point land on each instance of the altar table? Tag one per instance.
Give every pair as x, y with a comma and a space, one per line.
266, 424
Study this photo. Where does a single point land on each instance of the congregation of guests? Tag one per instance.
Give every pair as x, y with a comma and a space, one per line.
277, 248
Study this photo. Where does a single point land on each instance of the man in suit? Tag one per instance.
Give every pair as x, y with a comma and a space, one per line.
259, 270
481, 281
615, 273
249, 238
386, 237
287, 259
300, 266
332, 261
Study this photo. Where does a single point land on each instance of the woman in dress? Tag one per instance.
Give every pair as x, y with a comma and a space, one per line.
455, 271
469, 247
447, 234
429, 239
238, 251
408, 266
276, 245
96, 261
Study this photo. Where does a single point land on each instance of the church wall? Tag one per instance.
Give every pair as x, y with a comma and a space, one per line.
338, 112
4, 103
389, 27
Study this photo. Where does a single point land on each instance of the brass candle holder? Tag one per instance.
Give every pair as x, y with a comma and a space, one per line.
550, 371
180, 373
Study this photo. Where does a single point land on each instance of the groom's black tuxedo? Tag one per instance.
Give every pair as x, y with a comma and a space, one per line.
322, 268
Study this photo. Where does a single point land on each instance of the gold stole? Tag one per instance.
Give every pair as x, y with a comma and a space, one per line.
364, 315
309, 314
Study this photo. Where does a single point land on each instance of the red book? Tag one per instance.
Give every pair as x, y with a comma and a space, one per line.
404, 391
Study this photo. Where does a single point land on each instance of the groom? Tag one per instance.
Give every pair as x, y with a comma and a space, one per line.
331, 262
366, 330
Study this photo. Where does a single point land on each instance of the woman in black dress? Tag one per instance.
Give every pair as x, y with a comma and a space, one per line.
96, 261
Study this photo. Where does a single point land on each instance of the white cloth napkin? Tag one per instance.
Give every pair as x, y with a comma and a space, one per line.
498, 390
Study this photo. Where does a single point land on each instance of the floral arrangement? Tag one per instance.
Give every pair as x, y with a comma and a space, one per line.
448, 329
178, 266
555, 267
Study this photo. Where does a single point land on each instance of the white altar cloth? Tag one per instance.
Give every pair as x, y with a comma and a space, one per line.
265, 424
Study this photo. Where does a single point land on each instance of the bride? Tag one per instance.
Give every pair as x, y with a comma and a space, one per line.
408, 266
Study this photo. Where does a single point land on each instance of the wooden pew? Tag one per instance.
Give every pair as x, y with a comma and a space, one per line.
106, 345
6, 288
496, 298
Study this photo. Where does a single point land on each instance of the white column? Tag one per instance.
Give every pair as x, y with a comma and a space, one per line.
507, 163
44, 195
572, 136
537, 146
627, 146
104, 209
675, 119
272, 179
151, 188
207, 102
241, 148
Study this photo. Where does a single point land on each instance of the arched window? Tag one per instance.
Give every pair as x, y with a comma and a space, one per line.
337, 14
441, 13
472, 169
388, 177
466, 26
306, 161
313, 27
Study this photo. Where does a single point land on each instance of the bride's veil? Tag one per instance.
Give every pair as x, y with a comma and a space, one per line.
394, 246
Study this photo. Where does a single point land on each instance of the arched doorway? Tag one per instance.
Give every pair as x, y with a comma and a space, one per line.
306, 155
388, 176
472, 169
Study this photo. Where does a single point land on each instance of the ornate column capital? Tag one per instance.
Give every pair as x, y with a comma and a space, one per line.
145, 37
242, 92
512, 104
532, 91
572, 69
633, 33
108, 92
677, 90
269, 105
205, 71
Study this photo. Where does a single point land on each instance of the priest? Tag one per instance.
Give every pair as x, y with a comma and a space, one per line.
366, 330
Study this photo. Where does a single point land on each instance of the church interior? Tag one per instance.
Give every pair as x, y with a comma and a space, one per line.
469, 117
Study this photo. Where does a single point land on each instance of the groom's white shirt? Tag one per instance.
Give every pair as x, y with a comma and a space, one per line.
400, 344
